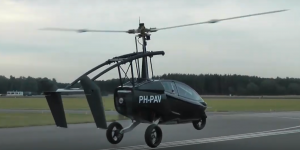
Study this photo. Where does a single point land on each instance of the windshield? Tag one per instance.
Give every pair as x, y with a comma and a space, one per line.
188, 92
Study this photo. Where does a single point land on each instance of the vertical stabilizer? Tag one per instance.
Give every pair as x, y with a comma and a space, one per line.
93, 96
55, 103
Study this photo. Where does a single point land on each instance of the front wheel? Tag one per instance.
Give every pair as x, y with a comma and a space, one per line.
113, 134
153, 136
199, 124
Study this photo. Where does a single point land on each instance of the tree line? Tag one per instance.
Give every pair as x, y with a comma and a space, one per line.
206, 84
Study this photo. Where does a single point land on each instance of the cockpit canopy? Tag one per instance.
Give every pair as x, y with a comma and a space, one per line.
183, 90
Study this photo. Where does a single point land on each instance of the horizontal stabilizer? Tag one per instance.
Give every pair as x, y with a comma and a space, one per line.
70, 91
54, 101
93, 96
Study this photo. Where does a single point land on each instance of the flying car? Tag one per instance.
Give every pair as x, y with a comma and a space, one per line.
140, 98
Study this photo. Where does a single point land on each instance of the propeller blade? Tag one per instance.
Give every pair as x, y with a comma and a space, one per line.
81, 30
218, 20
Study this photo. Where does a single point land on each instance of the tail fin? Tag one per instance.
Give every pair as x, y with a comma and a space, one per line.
54, 101
93, 96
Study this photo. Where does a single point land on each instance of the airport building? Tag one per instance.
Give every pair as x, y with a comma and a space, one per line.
18, 93
14, 93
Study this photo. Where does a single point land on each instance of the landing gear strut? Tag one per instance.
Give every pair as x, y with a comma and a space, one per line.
153, 133
115, 136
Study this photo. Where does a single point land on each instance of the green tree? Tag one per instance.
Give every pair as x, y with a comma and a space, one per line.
252, 89
294, 88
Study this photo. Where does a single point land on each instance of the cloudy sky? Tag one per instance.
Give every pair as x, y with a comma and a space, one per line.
266, 46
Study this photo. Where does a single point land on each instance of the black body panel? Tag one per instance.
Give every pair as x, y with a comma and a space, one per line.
150, 100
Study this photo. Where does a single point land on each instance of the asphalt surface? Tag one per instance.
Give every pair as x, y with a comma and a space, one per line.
224, 131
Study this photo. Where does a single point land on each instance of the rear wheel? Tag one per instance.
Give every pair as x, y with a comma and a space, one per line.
199, 124
113, 134
153, 135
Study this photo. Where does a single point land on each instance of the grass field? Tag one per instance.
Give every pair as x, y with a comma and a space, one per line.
41, 103
34, 119
214, 104
9, 120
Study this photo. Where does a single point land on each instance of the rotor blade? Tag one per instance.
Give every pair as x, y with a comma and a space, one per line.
81, 30
218, 20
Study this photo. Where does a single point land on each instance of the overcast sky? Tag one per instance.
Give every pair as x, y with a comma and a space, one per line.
266, 46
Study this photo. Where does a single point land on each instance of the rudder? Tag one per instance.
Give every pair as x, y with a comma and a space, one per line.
93, 96
54, 101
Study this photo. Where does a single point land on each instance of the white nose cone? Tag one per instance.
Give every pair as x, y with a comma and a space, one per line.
121, 100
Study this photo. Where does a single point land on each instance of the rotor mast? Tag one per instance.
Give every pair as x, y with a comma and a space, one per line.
145, 36
145, 74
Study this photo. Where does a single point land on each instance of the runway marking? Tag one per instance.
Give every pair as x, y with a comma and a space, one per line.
213, 139
290, 118
279, 129
260, 115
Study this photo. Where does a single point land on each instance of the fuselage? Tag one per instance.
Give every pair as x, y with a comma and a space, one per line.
169, 100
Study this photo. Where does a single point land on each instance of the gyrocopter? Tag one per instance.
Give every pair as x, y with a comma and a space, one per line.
139, 98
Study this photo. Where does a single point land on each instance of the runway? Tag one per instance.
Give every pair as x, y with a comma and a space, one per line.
226, 131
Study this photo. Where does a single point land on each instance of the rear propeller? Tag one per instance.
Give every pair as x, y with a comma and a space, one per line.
142, 29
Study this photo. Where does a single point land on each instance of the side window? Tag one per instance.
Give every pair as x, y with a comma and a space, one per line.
169, 86
187, 92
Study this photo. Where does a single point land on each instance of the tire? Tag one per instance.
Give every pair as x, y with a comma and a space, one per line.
200, 124
117, 137
149, 135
